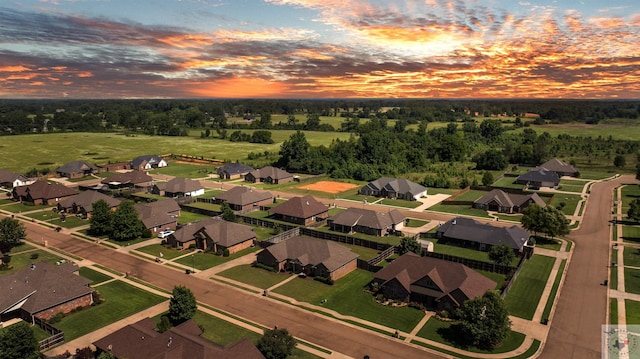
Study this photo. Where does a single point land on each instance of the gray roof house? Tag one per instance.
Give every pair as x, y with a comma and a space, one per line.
313, 257
82, 203
539, 178
367, 221
213, 234
76, 169
396, 188
243, 198
159, 215
148, 162
9, 179
178, 187
233, 170
269, 174
559, 167
130, 179
436, 283
500, 201
301, 210
483, 235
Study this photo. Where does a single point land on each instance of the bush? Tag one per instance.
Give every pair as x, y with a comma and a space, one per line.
56, 318
325, 280
35, 255
260, 265
225, 253
146, 233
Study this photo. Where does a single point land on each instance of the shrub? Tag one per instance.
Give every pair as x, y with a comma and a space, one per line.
35, 255
146, 233
260, 265
56, 318
325, 280
225, 253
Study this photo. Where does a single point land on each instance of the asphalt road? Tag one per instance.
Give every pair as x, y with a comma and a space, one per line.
576, 327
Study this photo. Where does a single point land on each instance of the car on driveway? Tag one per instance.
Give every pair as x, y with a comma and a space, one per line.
165, 233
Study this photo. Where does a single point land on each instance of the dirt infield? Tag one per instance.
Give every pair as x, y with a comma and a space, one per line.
329, 186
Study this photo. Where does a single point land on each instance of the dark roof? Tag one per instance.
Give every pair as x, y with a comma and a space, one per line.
447, 276
309, 251
300, 207
43, 285
140, 340
470, 230
86, 200
242, 196
76, 167
182, 185
397, 185
45, 190
151, 159
539, 176
7, 176
235, 168
557, 166
132, 177
224, 233
505, 199
157, 214
367, 218
272, 172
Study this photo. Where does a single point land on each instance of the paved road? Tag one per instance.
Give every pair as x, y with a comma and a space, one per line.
582, 305
323, 331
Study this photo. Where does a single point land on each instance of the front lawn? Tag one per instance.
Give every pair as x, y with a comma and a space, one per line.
168, 253
22, 207
631, 256
631, 234
347, 296
94, 276
400, 203
632, 280
633, 311
115, 307
524, 296
570, 202
206, 260
547, 243
256, 277
69, 222
507, 182
572, 186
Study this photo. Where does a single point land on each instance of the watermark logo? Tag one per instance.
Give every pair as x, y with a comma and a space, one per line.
621, 341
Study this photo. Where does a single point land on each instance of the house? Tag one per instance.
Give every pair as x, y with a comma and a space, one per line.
301, 210
435, 283
141, 340
469, 232
500, 201
178, 187
213, 234
76, 169
147, 162
270, 175
234, 170
159, 215
43, 290
561, 168
42, 192
9, 179
129, 180
313, 257
244, 198
395, 188
539, 178
82, 204
367, 221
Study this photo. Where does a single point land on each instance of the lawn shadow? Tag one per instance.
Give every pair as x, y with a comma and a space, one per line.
451, 336
631, 239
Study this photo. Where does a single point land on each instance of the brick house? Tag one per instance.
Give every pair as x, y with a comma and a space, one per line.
560, 167
82, 204
301, 210
129, 180
270, 175
394, 188
77, 169
539, 178
9, 179
159, 215
244, 198
147, 162
178, 187
482, 236
367, 221
42, 192
213, 234
234, 170
499, 201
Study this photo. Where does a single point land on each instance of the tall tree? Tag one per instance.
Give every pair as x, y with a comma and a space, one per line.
182, 305
487, 178
276, 344
125, 224
12, 233
502, 254
18, 341
532, 219
227, 213
101, 218
484, 321
409, 244
294, 152
547, 220
619, 161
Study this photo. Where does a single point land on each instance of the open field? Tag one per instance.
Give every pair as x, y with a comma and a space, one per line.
618, 129
329, 186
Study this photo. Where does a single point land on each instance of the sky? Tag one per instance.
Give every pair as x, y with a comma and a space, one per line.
98, 49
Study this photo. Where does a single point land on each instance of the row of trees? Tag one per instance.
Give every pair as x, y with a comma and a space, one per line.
122, 224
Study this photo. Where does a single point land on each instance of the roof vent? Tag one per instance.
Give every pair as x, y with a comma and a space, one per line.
307, 203
453, 222
169, 342
33, 266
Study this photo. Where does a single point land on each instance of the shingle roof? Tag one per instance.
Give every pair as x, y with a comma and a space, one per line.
300, 207
86, 200
272, 172
76, 167
140, 340
7, 176
539, 176
182, 185
156, 214
220, 231
447, 276
557, 165
151, 159
510, 199
132, 177
397, 185
367, 218
45, 190
44, 284
243, 196
311, 251
470, 230
235, 168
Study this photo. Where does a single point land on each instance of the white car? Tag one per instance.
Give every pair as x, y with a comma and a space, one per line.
165, 233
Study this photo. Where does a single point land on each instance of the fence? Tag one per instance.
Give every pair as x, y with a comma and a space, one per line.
473, 263
266, 223
280, 237
372, 264
56, 338
514, 276
342, 238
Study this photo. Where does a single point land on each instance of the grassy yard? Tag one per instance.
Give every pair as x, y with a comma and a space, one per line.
22, 207
185, 170
202, 260
632, 280
524, 296
471, 195
19, 261
347, 296
548, 243
209, 206
256, 277
392, 240
572, 185
496, 277
38, 333
633, 311
115, 307
631, 234
461, 210
415, 223
570, 201
631, 256
168, 253
69, 222
93, 275
188, 217
440, 331
507, 182
554, 290
441, 246
400, 203
629, 193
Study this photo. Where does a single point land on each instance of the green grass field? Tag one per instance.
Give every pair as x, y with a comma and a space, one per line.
168, 253
256, 277
202, 261
631, 257
524, 296
507, 182
459, 209
632, 280
570, 201
631, 234
633, 311
93, 275
613, 311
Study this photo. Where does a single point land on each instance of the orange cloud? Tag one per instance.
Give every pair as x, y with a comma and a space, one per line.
18, 68
239, 87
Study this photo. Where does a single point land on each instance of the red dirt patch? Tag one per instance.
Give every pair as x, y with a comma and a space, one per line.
329, 186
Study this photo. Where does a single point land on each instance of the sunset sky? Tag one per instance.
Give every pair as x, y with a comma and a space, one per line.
319, 49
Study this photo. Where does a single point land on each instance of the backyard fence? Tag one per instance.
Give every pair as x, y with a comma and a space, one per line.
57, 335
280, 237
342, 238
473, 263
513, 278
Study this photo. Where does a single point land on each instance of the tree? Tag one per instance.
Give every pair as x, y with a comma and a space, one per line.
101, 218
18, 341
484, 321
164, 324
409, 244
487, 178
276, 344
126, 225
502, 254
227, 213
634, 210
12, 233
547, 220
182, 305
619, 161
490, 160
294, 152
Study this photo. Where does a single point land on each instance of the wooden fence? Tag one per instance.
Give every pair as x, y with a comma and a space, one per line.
473, 263
280, 237
513, 278
342, 238
56, 338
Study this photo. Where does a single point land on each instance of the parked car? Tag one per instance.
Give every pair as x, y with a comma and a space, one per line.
165, 233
